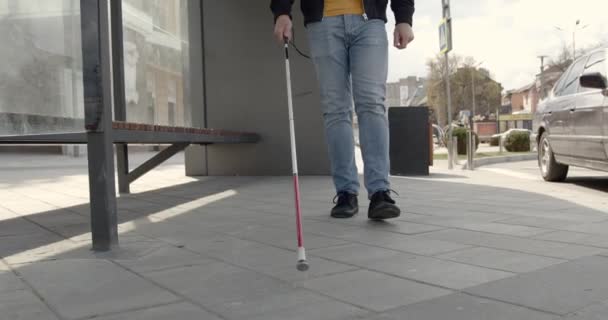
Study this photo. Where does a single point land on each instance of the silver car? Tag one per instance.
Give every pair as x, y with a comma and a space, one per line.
571, 126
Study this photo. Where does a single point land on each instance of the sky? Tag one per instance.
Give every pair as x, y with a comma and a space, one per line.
507, 36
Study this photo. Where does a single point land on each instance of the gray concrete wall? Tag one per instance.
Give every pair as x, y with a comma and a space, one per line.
245, 90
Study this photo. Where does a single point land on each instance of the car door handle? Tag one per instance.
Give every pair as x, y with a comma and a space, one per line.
572, 110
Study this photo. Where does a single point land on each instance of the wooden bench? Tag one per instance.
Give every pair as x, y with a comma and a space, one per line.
125, 133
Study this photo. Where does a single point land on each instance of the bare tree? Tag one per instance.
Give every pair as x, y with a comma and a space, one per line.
462, 71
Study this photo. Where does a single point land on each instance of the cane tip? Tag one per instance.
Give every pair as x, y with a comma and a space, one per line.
303, 266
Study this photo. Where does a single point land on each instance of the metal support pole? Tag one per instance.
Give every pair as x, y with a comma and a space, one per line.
120, 103
97, 78
574, 43
474, 93
449, 107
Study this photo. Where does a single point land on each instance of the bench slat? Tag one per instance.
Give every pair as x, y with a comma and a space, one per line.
127, 132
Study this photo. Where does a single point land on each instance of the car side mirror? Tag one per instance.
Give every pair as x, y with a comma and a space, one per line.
594, 80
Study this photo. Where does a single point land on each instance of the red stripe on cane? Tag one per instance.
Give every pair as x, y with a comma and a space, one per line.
296, 187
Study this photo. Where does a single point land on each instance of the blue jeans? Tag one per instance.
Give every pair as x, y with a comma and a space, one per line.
350, 55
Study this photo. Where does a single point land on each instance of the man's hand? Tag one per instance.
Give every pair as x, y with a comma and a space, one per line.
403, 35
282, 28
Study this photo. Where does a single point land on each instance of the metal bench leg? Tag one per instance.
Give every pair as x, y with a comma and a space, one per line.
155, 161
122, 165
97, 77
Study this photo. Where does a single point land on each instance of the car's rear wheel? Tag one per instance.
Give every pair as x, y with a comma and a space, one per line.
549, 168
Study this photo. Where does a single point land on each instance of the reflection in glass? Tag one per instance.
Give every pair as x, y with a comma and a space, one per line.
156, 55
41, 87
40, 67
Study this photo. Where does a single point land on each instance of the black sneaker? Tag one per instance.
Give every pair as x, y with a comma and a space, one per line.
382, 206
346, 206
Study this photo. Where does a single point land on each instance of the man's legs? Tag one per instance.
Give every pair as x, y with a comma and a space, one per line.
331, 59
369, 67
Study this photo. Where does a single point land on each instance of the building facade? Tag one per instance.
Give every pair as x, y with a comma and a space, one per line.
408, 91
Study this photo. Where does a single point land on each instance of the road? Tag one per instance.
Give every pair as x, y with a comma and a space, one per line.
528, 170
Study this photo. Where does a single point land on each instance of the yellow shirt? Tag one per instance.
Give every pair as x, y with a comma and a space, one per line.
341, 7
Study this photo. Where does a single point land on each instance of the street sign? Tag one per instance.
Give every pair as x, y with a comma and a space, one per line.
445, 36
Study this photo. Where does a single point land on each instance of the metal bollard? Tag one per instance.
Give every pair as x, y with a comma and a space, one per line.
501, 144
455, 150
450, 151
470, 150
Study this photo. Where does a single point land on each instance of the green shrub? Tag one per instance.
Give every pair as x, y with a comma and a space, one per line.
461, 134
495, 140
518, 141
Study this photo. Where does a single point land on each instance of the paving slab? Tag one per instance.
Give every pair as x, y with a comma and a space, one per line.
401, 242
539, 222
275, 262
161, 257
216, 284
9, 281
598, 311
172, 232
23, 305
326, 310
460, 306
356, 254
283, 238
19, 227
298, 304
490, 227
586, 239
328, 227
559, 289
373, 291
84, 288
17, 244
58, 218
438, 272
178, 311
510, 261
531, 246
593, 227
404, 227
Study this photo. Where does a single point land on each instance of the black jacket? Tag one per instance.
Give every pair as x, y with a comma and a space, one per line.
374, 9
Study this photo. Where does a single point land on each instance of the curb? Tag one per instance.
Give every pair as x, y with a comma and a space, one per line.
502, 159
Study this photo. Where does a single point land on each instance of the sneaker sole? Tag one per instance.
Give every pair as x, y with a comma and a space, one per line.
344, 215
384, 213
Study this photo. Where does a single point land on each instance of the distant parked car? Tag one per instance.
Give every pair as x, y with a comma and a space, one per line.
571, 126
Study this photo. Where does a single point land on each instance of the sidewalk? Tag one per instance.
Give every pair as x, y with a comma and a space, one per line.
482, 245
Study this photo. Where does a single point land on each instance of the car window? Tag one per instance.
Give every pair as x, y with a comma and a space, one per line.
559, 85
571, 82
596, 63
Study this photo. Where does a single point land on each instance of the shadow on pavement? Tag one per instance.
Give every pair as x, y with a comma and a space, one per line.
596, 183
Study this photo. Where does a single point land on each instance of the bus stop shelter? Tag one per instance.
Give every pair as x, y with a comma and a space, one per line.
201, 76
